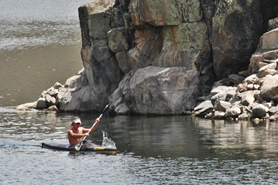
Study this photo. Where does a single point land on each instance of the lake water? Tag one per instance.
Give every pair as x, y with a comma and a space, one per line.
40, 45
151, 150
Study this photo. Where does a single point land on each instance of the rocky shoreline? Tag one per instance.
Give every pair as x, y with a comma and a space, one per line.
154, 57
244, 97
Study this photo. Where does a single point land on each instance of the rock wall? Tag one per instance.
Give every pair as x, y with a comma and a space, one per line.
163, 56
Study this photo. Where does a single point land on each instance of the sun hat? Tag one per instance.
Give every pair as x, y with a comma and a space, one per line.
76, 120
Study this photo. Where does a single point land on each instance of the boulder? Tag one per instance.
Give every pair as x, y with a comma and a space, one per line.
53, 92
254, 62
269, 69
222, 106
203, 108
157, 90
272, 24
269, 87
53, 108
57, 85
252, 79
220, 89
269, 40
233, 111
218, 115
244, 116
236, 79
275, 98
41, 103
273, 110
247, 97
259, 111
50, 100
222, 93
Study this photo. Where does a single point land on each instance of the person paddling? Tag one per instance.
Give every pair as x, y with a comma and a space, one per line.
76, 133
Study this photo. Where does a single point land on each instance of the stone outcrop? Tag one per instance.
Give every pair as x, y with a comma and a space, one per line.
157, 90
255, 97
163, 56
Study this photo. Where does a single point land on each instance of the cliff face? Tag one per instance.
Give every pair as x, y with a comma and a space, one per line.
161, 56
167, 53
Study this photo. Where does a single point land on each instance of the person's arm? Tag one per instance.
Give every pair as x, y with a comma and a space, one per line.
70, 133
93, 129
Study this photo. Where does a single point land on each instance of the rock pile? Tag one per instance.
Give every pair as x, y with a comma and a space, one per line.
251, 97
74, 93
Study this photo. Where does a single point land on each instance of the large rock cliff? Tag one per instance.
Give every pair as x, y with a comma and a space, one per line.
162, 56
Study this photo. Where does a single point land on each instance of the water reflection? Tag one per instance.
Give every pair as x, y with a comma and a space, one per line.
156, 136
30, 125
146, 136
239, 139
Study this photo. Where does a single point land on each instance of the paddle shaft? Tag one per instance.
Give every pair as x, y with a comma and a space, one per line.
91, 128
80, 143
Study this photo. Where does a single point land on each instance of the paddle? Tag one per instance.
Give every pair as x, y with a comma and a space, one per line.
79, 145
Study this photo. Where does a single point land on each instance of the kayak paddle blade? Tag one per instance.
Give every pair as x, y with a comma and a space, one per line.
78, 146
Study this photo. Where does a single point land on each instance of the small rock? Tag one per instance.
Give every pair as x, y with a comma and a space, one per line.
53, 107
50, 100
273, 117
257, 121
236, 79
234, 111
41, 103
219, 115
268, 69
222, 106
57, 85
259, 111
203, 108
244, 116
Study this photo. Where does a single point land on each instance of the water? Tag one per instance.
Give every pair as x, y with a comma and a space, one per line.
40, 44
151, 150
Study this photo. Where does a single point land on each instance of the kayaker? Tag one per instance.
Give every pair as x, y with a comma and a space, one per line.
76, 133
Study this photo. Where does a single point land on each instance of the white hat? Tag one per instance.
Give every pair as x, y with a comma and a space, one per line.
76, 120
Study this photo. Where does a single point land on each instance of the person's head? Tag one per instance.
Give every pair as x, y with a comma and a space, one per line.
76, 120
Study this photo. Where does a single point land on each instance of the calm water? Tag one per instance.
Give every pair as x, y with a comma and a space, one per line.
40, 45
151, 150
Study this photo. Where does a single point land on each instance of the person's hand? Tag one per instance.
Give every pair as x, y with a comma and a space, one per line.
97, 120
86, 134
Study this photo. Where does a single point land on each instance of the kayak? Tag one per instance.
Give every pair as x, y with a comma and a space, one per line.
88, 147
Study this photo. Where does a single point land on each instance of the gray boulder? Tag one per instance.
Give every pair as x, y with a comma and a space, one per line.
269, 87
222, 93
222, 106
203, 108
158, 90
233, 111
41, 103
259, 111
